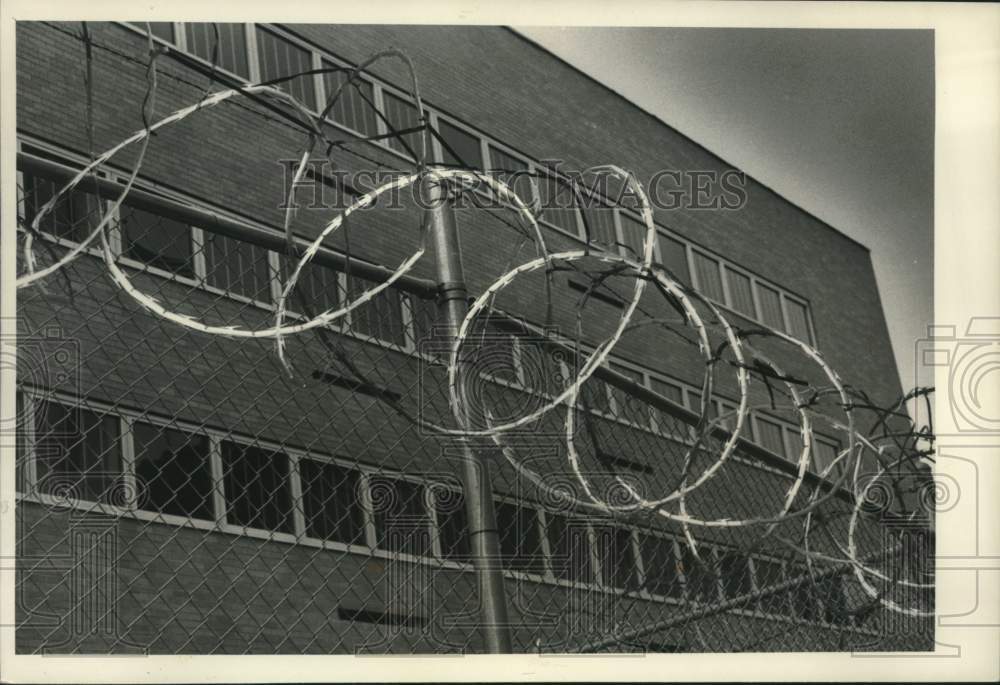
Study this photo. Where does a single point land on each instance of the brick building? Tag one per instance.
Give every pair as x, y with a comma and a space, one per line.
253, 511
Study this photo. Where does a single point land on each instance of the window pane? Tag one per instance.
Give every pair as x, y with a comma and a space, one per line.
230, 46
520, 543
401, 115
401, 520
825, 454
768, 574
793, 444
237, 267
78, 452
467, 152
626, 405
614, 549
73, 217
633, 234
666, 423
355, 106
257, 488
380, 318
709, 280
674, 257
172, 471
798, 322
453, 526
659, 565
331, 502
735, 571
595, 395
317, 289
740, 293
280, 58
600, 221
769, 436
512, 171
770, 307
157, 241
569, 544
700, 580
161, 29
558, 204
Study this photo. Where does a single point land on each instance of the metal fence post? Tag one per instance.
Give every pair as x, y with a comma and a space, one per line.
484, 539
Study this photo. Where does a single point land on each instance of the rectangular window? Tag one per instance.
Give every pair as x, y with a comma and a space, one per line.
172, 471
317, 289
77, 452
520, 542
569, 545
659, 565
793, 444
465, 150
673, 254
381, 317
257, 487
228, 49
734, 569
770, 307
402, 523
709, 279
617, 557
599, 219
74, 215
513, 172
769, 436
627, 407
161, 29
355, 106
331, 500
740, 293
558, 203
402, 115
633, 235
824, 454
701, 582
157, 241
237, 267
280, 58
453, 525
595, 395
666, 423
768, 574
798, 320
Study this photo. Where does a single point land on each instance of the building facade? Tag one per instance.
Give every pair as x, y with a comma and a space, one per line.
240, 507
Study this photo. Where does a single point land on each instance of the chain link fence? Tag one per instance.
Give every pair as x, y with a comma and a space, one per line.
182, 493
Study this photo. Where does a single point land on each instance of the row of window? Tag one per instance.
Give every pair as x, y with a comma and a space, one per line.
254, 274
186, 476
253, 52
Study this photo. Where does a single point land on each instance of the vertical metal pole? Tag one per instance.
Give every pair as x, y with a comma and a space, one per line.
484, 539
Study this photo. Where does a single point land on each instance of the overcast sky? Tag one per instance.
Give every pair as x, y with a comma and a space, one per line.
841, 122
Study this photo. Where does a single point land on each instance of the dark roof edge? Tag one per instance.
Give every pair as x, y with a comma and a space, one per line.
660, 121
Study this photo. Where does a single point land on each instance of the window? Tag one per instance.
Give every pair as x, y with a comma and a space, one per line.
513, 171
452, 524
331, 502
599, 219
667, 424
740, 293
614, 549
768, 574
492, 352
256, 487
735, 571
595, 395
793, 444
401, 520
709, 280
355, 106
673, 254
558, 203
172, 471
798, 320
402, 115
317, 289
627, 407
237, 267
769, 436
280, 58
824, 454
569, 546
659, 565
520, 543
633, 235
770, 307
161, 29
700, 580
464, 151
157, 241
73, 217
77, 451
228, 49
380, 318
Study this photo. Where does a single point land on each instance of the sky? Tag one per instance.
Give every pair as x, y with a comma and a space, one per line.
840, 122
